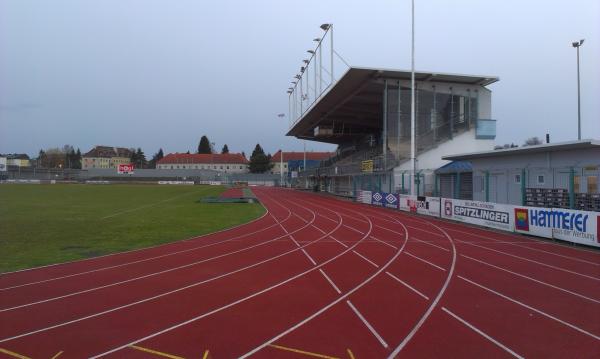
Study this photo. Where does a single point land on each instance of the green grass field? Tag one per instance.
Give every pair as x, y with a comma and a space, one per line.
44, 224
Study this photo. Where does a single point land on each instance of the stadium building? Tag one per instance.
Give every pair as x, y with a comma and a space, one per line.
220, 162
295, 161
105, 157
552, 175
366, 113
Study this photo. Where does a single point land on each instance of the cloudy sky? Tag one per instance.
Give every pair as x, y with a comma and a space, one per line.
150, 74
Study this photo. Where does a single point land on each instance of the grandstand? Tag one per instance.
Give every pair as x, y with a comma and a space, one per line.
366, 113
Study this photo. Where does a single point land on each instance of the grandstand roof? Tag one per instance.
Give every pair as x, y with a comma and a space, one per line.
356, 102
297, 156
176, 158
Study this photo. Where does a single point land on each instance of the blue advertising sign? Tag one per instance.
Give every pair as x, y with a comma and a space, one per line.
392, 200
378, 199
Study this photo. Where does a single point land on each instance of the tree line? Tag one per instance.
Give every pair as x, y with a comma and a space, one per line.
259, 161
67, 157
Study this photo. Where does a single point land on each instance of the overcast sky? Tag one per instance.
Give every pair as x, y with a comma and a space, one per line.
150, 74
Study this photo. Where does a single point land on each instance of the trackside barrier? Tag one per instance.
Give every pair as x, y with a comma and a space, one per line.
487, 214
565, 224
569, 225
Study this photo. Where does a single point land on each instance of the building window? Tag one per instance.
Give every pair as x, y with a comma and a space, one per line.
518, 179
227, 167
540, 179
241, 167
592, 184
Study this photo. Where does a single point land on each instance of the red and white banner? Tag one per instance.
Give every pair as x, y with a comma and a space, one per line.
125, 169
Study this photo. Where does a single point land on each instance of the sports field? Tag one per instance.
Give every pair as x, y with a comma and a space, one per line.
44, 224
314, 277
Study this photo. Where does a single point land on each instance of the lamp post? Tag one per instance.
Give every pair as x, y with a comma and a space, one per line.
576, 45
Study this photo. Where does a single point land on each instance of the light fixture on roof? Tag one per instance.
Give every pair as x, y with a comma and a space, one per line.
298, 77
305, 61
312, 52
325, 27
317, 39
578, 43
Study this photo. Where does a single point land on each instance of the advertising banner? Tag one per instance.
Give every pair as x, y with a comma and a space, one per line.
429, 206
125, 168
3, 164
531, 220
493, 215
367, 166
407, 203
572, 225
364, 197
391, 200
377, 199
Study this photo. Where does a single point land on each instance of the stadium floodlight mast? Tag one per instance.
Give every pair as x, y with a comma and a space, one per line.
576, 45
329, 28
318, 41
412, 105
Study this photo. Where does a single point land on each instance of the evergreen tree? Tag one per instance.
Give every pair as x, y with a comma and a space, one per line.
76, 163
140, 158
157, 157
259, 162
225, 149
42, 160
204, 145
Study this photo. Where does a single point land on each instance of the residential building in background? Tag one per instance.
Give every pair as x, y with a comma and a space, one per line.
221, 162
294, 161
17, 159
105, 157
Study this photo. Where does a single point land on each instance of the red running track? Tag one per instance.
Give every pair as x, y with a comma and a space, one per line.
313, 277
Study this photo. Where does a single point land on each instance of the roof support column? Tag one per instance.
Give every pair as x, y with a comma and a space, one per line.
385, 106
399, 127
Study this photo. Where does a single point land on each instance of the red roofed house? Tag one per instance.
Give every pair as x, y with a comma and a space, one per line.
222, 162
294, 161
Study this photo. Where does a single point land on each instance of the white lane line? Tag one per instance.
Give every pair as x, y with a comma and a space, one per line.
476, 330
367, 324
407, 285
366, 259
386, 243
299, 246
143, 260
431, 244
425, 261
330, 281
389, 230
533, 279
255, 294
435, 302
322, 231
175, 291
354, 229
332, 237
530, 260
426, 231
144, 276
521, 242
130, 251
583, 331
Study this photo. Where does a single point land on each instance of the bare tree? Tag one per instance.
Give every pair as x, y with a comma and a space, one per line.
531, 141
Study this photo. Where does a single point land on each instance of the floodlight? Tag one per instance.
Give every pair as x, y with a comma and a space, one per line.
325, 27
310, 51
